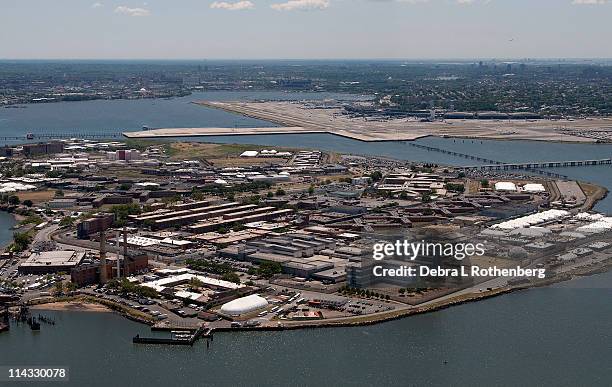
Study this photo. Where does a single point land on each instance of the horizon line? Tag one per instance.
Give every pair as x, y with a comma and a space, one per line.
320, 59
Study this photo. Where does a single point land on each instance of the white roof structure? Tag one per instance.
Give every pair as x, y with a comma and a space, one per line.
244, 305
599, 245
189, 295
567, 257
176, 242
147, 184
572, 235
14, 187
603, 224
140, 241
180, 270
493, 233
167, 282
57, 258
505, 186
271, 178
532, 232
587, 216
532, 220
534, 188
249, 154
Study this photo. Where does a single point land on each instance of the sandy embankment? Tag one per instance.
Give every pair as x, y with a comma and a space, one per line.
72, 306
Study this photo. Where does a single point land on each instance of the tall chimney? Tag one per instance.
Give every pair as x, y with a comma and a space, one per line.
103, 276
118, 251
125, 251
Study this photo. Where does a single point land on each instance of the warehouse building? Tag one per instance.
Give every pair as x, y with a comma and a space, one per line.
94, 225
506, 186
51, 262
43, 148
299, 254
164, 219
217, 223
181, 279
89, 274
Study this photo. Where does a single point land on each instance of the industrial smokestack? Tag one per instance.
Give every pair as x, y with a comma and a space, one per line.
118, 251
103, 276
125, 251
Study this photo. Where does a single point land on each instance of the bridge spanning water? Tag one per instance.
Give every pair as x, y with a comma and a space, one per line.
52, 136
496, 165
452, 153
543, 164
488, 164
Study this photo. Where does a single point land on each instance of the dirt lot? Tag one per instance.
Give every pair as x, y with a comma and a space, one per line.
221, 154
37, 196
73, 306
486, 261
593, 193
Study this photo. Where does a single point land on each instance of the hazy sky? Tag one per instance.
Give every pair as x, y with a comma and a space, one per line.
236, 29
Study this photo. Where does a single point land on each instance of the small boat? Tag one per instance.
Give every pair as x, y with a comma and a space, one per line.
30, 136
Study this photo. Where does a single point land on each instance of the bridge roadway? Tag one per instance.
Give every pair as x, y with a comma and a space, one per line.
543, 164
493, 164
51, 136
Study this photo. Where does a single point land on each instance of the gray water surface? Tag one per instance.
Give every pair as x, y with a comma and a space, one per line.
555, 336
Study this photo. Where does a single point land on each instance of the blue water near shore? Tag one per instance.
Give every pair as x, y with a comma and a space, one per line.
557, 336
554, 336
7, 221
113, 117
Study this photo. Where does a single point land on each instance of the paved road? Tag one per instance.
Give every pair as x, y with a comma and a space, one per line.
44, 235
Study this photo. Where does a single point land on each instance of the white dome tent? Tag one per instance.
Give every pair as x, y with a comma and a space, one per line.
244, 305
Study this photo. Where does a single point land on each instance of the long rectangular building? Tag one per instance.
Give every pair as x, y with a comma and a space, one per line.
215, 224
200, 215
164, 214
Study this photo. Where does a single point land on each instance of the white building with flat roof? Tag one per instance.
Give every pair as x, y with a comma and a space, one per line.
534, 188
184, 278
507, 186
52, 261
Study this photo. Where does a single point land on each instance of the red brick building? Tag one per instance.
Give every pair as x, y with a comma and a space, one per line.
90, 274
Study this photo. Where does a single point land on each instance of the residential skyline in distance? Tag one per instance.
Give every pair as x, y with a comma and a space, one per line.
305, 29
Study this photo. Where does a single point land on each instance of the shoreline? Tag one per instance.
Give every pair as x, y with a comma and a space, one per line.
434, 307
87, 303
17, 218
73, 306
178, 133
276, 112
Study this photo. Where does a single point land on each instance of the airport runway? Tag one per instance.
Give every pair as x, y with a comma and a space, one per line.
295, 118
